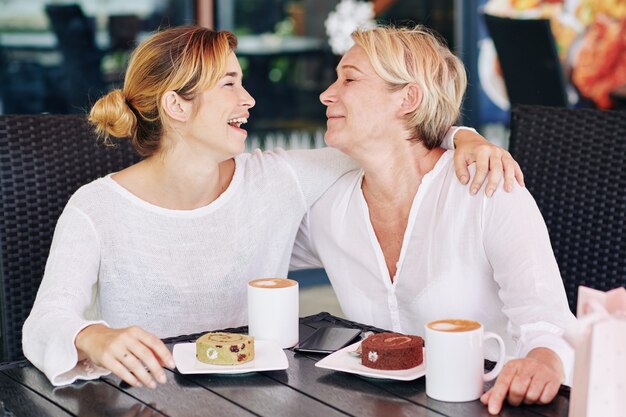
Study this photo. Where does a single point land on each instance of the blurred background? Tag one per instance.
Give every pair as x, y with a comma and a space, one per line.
60, 56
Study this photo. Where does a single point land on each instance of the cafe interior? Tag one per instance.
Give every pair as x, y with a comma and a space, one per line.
546, 80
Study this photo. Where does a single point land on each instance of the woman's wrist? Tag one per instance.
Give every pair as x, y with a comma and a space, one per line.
464, 133
82, 339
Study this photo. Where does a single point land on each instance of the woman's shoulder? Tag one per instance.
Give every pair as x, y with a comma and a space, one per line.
458, 194
502, 202
92, 194
96, 186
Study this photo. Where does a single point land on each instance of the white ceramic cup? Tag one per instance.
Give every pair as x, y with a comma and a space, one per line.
455, 359
273, 309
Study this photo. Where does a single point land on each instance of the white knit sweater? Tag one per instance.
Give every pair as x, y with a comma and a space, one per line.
119, 260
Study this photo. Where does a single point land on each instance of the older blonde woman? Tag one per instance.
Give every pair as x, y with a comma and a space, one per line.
402, 241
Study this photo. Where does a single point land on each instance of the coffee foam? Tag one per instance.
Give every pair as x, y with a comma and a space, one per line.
454, 325
273, 283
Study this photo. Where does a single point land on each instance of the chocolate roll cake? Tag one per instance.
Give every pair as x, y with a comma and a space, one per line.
392, 351
225, 348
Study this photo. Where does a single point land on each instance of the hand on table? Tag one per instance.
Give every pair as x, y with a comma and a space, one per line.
535, 379
132, 354
491, 162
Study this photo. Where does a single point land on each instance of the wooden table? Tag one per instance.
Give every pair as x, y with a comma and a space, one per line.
301, 390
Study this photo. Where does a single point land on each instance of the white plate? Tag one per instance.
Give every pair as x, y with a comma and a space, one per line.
268, 356
345, 362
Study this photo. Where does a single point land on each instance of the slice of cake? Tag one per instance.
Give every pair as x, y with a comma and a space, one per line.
225, 348
392, 351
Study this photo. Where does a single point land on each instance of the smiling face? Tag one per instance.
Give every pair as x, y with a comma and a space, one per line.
361, 109
220, 112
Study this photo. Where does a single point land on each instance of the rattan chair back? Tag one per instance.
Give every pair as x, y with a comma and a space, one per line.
43, 160
574, 163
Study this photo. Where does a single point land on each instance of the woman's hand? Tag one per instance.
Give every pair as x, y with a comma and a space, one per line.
132, 354
491, 162
532, 380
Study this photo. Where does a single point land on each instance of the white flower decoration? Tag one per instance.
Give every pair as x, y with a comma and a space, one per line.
348, 16
212, 353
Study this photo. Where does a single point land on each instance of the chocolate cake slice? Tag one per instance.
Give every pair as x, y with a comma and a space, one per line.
392, 351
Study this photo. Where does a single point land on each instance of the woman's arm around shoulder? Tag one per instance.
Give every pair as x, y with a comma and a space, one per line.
492, 162
317, 169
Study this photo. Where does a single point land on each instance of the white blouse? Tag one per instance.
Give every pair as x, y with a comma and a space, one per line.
486, 259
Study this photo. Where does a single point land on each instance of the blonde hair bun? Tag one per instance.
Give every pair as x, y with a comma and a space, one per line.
112, 116
185, 59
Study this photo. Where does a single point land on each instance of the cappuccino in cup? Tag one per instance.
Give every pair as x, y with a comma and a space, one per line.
455, 359
273, 283
273, 308
454, 325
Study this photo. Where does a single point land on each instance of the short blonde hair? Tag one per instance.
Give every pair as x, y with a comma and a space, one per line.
415, 55
185, 59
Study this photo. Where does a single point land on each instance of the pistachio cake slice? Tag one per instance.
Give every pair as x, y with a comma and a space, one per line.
225, 348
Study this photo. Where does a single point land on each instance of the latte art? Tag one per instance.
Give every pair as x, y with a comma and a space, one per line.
273, 283
454, 325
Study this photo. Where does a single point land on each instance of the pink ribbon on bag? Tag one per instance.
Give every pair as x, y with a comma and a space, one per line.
594, 306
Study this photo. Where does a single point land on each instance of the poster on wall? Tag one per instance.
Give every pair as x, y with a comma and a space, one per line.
590, 37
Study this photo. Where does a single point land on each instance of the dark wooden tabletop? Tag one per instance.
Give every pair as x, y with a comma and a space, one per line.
301, 390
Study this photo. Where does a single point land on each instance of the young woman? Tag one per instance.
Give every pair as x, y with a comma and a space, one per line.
166, 246
402, 241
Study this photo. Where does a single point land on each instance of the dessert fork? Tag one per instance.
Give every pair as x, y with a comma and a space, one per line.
357, 352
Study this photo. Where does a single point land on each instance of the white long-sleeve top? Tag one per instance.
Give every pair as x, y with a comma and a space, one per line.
485, 259
118, 260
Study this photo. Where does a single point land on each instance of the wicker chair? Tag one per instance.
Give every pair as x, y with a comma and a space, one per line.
573, 162
43, 160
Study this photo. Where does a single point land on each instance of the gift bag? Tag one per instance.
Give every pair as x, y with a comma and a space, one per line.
599, 340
